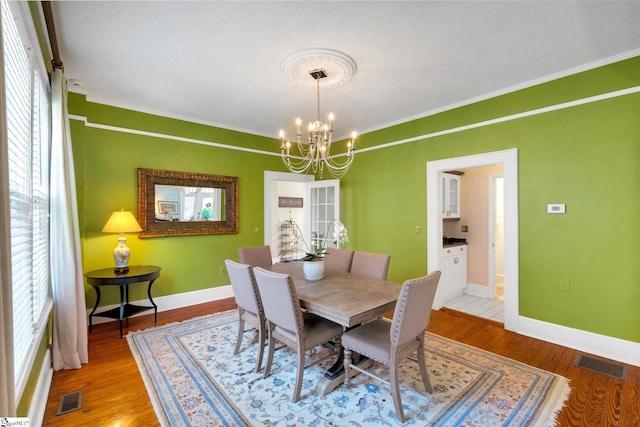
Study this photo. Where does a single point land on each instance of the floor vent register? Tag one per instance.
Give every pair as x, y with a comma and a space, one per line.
614, 370
69, 402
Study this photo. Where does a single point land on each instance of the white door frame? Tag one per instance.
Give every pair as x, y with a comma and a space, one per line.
491, 250
509, 160
269, 178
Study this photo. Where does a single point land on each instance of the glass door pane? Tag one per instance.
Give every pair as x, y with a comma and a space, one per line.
324, 207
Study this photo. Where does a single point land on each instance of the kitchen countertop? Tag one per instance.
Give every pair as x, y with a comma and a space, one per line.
453, 245
451, 242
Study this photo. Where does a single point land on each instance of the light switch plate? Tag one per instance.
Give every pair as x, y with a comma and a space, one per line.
555, 208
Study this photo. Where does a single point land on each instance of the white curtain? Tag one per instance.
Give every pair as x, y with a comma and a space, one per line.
70, 322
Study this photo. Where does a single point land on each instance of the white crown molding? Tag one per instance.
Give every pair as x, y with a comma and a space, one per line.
139, 109
511, 89
535, 112
502, 119
87, 123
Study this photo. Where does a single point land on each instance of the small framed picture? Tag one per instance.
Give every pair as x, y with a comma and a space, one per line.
290, 202
168, 208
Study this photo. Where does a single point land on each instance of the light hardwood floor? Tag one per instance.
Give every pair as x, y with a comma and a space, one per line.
114, 394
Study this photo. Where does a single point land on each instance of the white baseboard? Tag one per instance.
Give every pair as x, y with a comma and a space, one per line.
171, 302
41, 393
599, 345
481, 291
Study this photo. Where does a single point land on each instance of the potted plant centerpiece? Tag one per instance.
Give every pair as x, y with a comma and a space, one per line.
313, 261
313, 264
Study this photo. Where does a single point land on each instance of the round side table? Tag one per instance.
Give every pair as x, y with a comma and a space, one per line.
108, 277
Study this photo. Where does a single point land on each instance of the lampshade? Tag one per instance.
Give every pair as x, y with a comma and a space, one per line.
122, 222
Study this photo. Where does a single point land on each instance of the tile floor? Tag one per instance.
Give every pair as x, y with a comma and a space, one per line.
482, 307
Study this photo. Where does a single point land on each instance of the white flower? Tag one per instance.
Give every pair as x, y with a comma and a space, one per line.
339, 232
339, 235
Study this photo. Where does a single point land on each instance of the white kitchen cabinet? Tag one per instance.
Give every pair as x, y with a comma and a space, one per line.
454, 271
450, 195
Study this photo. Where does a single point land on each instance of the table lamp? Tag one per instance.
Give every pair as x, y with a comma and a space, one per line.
121, 222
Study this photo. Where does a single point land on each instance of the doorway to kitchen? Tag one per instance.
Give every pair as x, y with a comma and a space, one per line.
481, 225
508, 160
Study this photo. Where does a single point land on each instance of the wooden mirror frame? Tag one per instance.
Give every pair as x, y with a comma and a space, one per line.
149, 178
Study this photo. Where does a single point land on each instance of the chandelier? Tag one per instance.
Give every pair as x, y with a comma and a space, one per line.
315, 150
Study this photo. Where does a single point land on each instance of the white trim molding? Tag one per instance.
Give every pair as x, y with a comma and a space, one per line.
588, 342
87, 123
41, 393
509, 160
463, 128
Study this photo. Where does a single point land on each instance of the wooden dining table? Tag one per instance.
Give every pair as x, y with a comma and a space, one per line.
344, 298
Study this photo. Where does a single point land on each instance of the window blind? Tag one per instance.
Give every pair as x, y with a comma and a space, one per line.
28, 124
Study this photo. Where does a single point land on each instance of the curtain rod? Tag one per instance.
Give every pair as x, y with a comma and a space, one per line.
51, 31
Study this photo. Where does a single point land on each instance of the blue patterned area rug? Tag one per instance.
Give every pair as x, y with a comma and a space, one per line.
194, 379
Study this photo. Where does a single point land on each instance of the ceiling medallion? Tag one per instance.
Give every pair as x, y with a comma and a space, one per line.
340, 67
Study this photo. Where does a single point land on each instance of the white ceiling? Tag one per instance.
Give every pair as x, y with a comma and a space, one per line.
219, 62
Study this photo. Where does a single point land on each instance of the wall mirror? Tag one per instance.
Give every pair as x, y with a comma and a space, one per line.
174, 203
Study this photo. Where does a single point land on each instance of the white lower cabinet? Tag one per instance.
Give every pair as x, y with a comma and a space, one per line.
454, 272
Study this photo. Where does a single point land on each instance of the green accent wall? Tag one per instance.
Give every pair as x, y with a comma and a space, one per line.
106, 163
585, 156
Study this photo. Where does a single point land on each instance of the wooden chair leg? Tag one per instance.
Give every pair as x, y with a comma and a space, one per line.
261, 331
272, 346
299, 373
347, 367
395, 390
423, 370
240, 333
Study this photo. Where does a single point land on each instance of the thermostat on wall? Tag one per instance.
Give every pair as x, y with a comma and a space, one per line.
555, 208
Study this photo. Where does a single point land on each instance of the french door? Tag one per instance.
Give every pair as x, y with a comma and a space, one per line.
322, 207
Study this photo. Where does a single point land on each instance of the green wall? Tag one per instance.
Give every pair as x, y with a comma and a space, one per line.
106, 171
586, 156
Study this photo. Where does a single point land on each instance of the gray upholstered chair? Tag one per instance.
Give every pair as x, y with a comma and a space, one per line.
245, 291
256, 256
338, 259
287, 323
391, 342
371, 265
